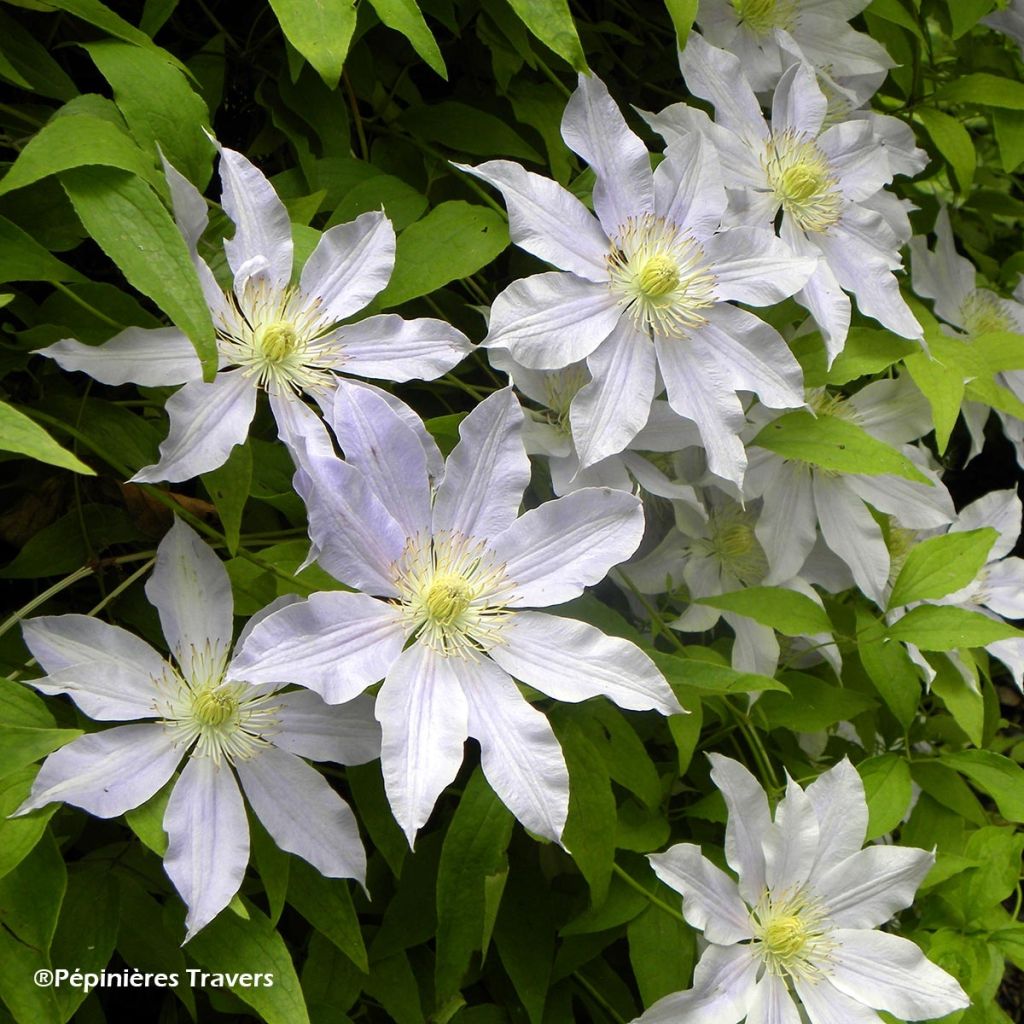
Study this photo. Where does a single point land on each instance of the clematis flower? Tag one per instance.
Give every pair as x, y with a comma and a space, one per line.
796, 933
756, 32
822, 179
446, 576
644, 296
199, 710
1009, 21
273, 335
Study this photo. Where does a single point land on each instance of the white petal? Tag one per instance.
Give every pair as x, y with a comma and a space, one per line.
827, 302
350, 265
1003, 588
798, 106
698, 389
571, 661
106, 773
487, 471
207, 421
791, 847
894, 411
190, 210
710, 900
855, 159
335, 643
914, 504
825, 1004
787, 525
594, 127
547, 220
555, 550
748, 823
208, 840
424, 721
302, 813
999, 509
518, 750
772, 1003
688, 187
153, 357
387, 347
551, 320
869, 887
752, 266
892, 974
191, 592
262, 243
344, 733
382, 446
837, 797
108, 672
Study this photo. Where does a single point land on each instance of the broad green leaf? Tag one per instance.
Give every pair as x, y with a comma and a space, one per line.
945, 785
943, 386
18, 836
963, 701
624, 753
21, 745
326, 903
393, 984
374, 814
811, 704
330, 981
321, 30
985, 89
835, 444
404, 16
965, 14
78, 140
998, 776
551, 22
131, 225
941, 565
228, 487
20, 705
1001, 350
401, 202
887, 787
790, 612
868, 352
683, 13
158, 104
29, 59
273, 864
469, 236
1009, 127
709, 678
27, 1002
473, 851
233, 945
31, 894
147, 820
103, 18
953, 141
662, 951
893, 11
945, 628
889, 668
22, 258
20, 434
468, 130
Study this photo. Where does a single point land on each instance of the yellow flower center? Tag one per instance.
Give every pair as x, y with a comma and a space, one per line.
801, 178
213, 708
277, 341
762, 16
735, 541
784, 937
982, 313
447, 597
732, 542
792, 934
659, 277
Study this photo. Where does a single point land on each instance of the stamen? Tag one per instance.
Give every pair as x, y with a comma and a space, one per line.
763, 16
801, 178
732, 542
792, 935
982, 312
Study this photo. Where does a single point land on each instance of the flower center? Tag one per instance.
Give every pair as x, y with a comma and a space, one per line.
784, 937
277, 341
791, 934
801, 178
560, 388
661, 276
453, 594
732, 541
982, 313
212, 708
762, 16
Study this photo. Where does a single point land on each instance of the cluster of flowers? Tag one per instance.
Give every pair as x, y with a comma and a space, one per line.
443, 572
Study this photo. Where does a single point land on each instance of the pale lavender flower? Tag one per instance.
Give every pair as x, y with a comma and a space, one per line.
1009, 21
445, 576
200, 710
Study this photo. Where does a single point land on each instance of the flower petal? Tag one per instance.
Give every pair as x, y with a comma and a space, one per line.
107, 671
335, 643
152, 357
386, 347
825, 1004
302, 813
424, 720
791, 846
487, 471
748, 823
594, 127
787, 526
837, 797
518, 751
551, 320
208, 840
191, 592
350, 265
710, 900
999, 509
106, 773
891, 973
346, 734
555, 550
752, 266
772, 1003
207, 421
917, 505
548, 220
798, 105
688, 187
571, 661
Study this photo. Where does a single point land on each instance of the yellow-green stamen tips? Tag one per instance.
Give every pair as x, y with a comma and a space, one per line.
277, 341
214, 708
801, 178
732, 542
982, 312
762, 16
447, 597
784, 937
791, 934
659, 277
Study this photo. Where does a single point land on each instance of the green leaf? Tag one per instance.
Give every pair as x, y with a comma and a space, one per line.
982, 88
93, 12
232, 945
963, 701
889, 667
887, 787
20, 705
623, 751
228, 487
468, 130
469, 236
21, 745
31, 894
1009, 128
273, 864
811, 704
321, 30
835, 444
326, 903
20, 434
22, 258
943, 385
551, 22
147, 820
790, 612
683, 14
941, 565
662, 951
330, 981
27, 1002
953, 141
473, 851
31, 61
18, 836
895, 12
868, 352
131, 225
942, 628
998, 776
965, 14
404, 16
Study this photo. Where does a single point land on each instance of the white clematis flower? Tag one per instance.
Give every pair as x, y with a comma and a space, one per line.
647, 289
795, 937
273, 334
824, 180
201, 710
1009, 21
447, 574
